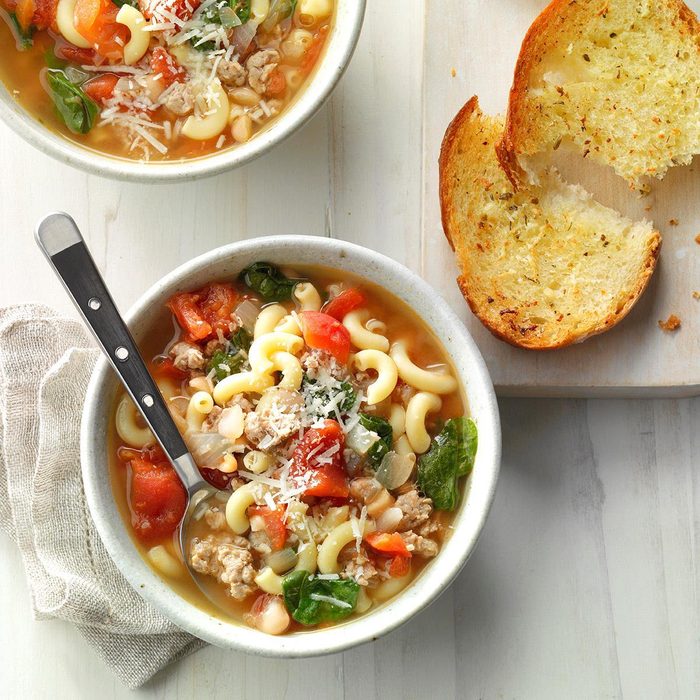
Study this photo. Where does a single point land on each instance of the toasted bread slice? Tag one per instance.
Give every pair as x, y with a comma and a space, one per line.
543, 266
618, 79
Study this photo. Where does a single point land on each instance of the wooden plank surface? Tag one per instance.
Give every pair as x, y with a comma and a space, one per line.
585, 582
480, 40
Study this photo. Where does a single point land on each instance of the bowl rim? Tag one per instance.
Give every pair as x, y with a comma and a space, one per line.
432, 581
342, 43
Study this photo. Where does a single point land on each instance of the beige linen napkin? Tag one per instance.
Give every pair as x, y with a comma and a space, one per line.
45, 365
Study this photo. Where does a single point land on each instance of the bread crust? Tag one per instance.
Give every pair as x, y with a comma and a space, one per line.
542, 33
504, 327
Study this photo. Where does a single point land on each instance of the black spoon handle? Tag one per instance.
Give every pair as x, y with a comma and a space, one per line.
61, 241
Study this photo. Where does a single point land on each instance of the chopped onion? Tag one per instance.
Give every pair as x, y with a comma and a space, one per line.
248, 311
395, 469
243, 35
208, 449
281, 562
359, 439
229, 18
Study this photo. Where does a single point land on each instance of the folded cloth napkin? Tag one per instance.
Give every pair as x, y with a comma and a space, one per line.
45, 365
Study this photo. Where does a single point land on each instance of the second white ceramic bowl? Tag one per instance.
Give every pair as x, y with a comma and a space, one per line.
341, 44
226, 263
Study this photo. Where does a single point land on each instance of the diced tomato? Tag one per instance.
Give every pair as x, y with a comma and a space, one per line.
165, 367
217, 478
35, 13
157, 499
84, 57
217, 303
201, 314
326, 478
24, 11
189, 316
101, 88
314, 51
184, 9
399, 567
275, 527
164, 64
96, 21
344, 303
389, 544
324, 332
276, 84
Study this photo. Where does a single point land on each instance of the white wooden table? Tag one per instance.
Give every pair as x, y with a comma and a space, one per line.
585, 583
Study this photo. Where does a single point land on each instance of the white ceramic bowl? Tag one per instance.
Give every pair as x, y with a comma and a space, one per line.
225, 263
341, 44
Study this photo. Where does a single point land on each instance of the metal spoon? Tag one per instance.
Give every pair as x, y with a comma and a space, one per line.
59, 238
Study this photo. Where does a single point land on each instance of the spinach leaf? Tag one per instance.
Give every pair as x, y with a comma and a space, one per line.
241, 339
242, 9
23, 36
121, 3
269, 282
317, 397
53, 61
213, 15
382, 427
74, 107
313, 600
226, 363
450, 456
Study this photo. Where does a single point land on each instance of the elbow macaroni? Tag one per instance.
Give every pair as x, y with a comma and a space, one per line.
258, 462
387, 374
289, 324
417, 377
65, 21
391, 587
269, 581
213, 122
330, 549
318, 9
418, 408
308, 297
397, 420
237, 505
136, 47
199, 407
290, 367
360, 336
307, 556
127, 427
241, 383
265, 346
268, 318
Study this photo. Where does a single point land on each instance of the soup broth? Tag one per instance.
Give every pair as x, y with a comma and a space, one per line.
189, 78
325, 464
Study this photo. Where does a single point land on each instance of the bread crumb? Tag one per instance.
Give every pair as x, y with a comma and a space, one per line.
453, 72
697, 239
649, 208
673, 222
672, 323
696, 295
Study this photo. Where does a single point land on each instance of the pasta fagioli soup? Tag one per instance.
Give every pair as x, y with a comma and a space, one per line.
160, 79
334, 427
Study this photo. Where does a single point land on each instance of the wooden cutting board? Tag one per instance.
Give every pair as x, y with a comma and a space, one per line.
471, 48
